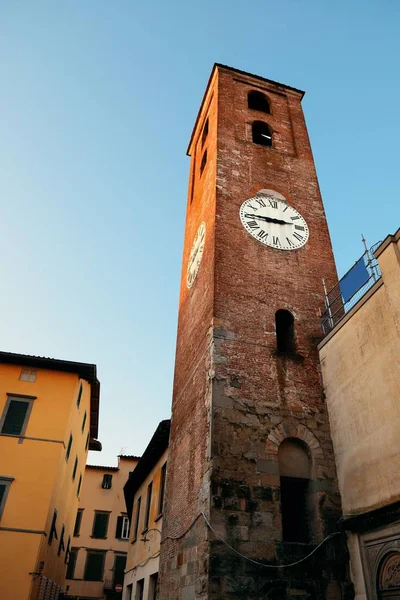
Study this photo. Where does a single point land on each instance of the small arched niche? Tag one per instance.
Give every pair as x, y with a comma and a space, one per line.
258, 101
261, 133
284, 327
295, 472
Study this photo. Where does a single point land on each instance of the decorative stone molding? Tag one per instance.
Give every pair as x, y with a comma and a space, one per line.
290, 428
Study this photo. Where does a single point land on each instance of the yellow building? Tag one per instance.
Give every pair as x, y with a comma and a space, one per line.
101, 535
144, 495
360, 368
48, 422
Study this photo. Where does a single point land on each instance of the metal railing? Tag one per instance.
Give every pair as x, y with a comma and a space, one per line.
350, 289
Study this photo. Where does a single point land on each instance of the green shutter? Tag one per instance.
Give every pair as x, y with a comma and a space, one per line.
118, 532
94, 566
15, 417
71, 563
100, 525
119, 568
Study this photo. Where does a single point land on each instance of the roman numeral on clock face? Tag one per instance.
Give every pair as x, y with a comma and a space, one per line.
261, 202
273, 204
262, 234
253, 225
299, 227
298, 236
276, 242
290, 243
295, 217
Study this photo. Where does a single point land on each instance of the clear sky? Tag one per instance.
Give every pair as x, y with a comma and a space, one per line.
97, 102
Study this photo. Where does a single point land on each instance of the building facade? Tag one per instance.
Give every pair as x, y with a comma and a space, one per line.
359, 360
99, 545
144, 495
49, 421
250, 459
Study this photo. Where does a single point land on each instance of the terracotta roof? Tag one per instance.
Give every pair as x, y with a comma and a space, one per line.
85, 371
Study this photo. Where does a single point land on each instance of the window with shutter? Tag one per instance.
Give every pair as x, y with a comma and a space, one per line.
119, 568
61, 545
84, 421
75, 468
78, 521
162, 488
107, 482
53, 529
69, 447
78, 400
148, 505
118, 531
122, 530
71, 563
79, 485
15, 416
5, 483
100, 524
94, 566
137, 518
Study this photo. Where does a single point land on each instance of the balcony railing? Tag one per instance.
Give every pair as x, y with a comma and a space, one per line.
350, 289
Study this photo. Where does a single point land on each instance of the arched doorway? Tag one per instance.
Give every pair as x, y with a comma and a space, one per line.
388, 578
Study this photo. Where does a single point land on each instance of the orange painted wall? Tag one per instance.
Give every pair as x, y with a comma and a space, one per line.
42, 477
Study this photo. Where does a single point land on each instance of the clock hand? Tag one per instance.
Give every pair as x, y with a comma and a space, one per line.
269, 219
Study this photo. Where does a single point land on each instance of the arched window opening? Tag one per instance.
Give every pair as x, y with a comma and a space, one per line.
203, 162
204, 134
284, 325
258, 101
294, 470
262, 134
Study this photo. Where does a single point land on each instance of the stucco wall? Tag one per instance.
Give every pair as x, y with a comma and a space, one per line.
359, 363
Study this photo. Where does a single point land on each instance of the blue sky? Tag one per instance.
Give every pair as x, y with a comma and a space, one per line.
98, 99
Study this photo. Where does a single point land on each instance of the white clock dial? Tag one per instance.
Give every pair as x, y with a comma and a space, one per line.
196, 254
273, 222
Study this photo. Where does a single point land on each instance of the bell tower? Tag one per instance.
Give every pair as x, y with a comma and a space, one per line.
250, 449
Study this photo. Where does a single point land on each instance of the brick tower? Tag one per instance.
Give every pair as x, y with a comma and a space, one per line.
250, 445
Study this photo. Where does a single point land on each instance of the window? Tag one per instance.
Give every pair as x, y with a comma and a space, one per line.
87, 442
28, 375
153, 586
94, 567
5, 483
129, 592
148, 505
162, 488
78, 521
139, 589
69, 447
79, 485
258, 101
100, 524
107, 482
84, 421
203, 162
205, 133
119, 568
261, 133
61, 545
284, 325
74, 469
122, 530
294, 469
73, 555
53, 529
16, 414
67, 551
139, 502
78, 400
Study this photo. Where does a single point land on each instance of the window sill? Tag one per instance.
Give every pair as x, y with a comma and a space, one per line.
95, 537
122, 539
160, 516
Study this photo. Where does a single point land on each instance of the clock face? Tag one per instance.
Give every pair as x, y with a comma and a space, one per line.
196, 254
273, 222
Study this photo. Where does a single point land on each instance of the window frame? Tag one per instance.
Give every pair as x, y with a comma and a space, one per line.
72, 553
79, 397
163, 478
137, 518
148, 507
69, 447
7, 481
88, 553
100, 512
26, 370
74, 470
17, 398
79, 485
125, 526
84, 421
256, 127
109, 479
78, 522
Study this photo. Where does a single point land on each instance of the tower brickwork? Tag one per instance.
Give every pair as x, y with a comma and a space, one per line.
250, 443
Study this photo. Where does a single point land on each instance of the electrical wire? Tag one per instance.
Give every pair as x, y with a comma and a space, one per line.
256, 562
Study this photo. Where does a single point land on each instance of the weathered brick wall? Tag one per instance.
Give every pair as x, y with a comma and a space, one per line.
235, 397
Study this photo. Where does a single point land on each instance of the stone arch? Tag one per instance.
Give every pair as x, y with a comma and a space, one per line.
290, 428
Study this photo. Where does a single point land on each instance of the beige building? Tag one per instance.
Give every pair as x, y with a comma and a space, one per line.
144, 495
361, 374
99, 545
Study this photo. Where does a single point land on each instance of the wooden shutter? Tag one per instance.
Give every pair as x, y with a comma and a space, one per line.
100, 525
118, 531
15, 417
71, 563
94, 566
119, 568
